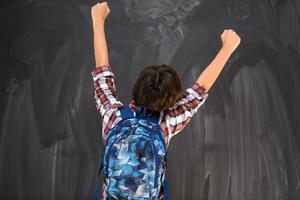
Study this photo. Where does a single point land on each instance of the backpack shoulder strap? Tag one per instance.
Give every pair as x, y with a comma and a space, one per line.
154, 118
126, 112
142, 114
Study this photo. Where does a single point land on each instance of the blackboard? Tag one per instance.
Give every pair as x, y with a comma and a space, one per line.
243, 143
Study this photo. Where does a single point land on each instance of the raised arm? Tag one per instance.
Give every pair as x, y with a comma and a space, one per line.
178, 116
99, 13
107, 101
230, 41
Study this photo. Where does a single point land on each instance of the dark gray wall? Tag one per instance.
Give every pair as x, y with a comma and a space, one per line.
243, 144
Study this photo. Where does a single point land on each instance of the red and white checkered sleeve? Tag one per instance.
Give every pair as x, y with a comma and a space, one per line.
107, 101
105, 89
179, 115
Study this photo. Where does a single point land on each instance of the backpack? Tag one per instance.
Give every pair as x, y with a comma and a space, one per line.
134, 157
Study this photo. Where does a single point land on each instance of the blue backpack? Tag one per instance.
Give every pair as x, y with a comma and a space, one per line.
134, 157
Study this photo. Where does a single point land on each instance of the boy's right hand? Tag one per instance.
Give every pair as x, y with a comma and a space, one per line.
230, 40
99, 12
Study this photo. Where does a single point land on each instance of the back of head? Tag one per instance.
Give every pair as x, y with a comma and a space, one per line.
157, 88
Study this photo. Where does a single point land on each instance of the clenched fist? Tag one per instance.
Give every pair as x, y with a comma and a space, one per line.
230, 40
99, 12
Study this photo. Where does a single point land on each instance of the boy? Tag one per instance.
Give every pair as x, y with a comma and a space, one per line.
157, 87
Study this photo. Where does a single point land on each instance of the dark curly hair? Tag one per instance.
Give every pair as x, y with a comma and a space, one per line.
157, 88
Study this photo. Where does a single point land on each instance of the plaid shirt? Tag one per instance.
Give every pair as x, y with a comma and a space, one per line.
172, 120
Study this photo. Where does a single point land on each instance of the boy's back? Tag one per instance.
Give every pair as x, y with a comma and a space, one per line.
171, 120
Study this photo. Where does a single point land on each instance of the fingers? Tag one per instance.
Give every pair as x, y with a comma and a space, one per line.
230, 32
230, 40
100, 11
104, 4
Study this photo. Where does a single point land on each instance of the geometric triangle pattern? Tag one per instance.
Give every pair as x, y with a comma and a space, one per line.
134, 160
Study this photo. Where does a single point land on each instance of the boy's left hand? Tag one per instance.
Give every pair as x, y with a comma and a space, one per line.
99, 12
